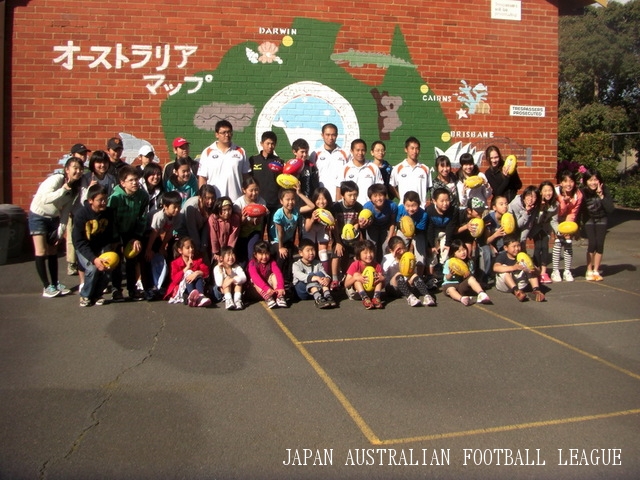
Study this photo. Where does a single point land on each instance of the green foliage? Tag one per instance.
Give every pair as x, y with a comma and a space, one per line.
599, 92
627, 192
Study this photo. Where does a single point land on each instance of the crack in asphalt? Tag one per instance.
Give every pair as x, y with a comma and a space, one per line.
110, 387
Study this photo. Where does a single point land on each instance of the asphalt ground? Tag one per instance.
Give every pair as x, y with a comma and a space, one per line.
151, 390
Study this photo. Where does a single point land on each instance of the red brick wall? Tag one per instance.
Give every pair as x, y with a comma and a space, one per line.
53, 108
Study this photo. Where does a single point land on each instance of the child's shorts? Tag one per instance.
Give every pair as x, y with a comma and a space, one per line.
39, 225
303, 290
521, 279
463, 288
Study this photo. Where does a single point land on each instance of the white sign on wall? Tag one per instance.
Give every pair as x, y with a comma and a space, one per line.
524, 111
506, 9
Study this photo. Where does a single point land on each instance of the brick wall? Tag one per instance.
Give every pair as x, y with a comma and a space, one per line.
53, 107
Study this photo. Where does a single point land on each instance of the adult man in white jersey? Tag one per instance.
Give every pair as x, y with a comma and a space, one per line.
330, 160
223, 164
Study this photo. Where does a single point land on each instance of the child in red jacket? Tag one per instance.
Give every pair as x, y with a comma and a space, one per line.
188, 273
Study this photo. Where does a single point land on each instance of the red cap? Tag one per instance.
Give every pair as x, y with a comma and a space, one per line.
179, 142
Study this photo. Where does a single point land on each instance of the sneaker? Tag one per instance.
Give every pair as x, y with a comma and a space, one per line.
555, 276
271, 303
331, 301
117, 296
136, 296
589, 276
483, 298
466, 301
193, 298
229, 304
429, 301
50, 292
567, 277
239, 304
204, 301
377, 303
368, 304
322, 303
432, 283
99, 302
597, 277
520, 295
536, 296
544, 278
72, 269
85, 302
413, 301
282, 302
63, 289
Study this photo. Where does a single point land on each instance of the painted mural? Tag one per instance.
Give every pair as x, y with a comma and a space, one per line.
295, 86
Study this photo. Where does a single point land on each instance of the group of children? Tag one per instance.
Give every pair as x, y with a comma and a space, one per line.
188, 246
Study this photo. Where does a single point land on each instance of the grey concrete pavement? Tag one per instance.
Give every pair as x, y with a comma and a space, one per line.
151, 390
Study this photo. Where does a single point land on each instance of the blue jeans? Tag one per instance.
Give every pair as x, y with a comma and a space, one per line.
95, 281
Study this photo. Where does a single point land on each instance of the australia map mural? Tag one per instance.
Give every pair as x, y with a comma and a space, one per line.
295, 86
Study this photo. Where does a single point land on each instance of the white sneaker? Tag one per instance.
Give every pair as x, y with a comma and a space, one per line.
567, 277
204, 301
413, 301
555, 276
229, 304
239, 304
282, 302
483, 298
50, 291
589, 276
271, 303
466, 301
428, 301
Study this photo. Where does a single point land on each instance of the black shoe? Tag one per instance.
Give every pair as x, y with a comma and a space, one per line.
136, 296
331, 301
322, 303
117, 296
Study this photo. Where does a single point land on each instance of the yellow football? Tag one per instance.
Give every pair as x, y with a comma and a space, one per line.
287, 181
458, 267
476, 227
407, 264
325, 217
110, 259
508, 223
370, 276
348, 232
568, 228
365, 214
129, 252
407, 226
474, 181
525, 260
510, 164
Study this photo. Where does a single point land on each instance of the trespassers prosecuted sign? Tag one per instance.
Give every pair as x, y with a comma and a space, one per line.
523, 111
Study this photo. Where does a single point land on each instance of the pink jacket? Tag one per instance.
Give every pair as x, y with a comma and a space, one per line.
223, 233
568, 211
259, 274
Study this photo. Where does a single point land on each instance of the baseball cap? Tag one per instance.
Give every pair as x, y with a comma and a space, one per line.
179, 142
145, 150
79, 148
114, 143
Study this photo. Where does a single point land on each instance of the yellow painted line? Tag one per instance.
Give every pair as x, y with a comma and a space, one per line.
344, 401
602, 284
465, 332
508, 428
565, 344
